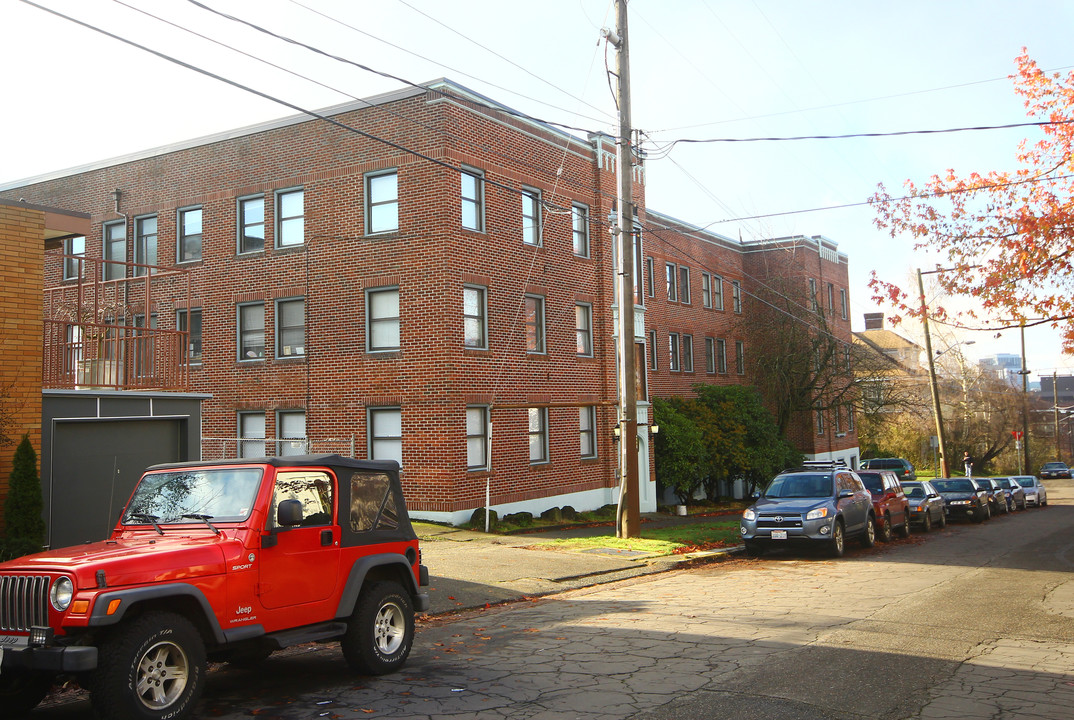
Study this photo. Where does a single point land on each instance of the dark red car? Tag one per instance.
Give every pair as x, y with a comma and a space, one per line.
889, 502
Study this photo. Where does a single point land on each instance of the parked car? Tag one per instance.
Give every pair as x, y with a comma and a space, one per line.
997, 498
900, 466
926, 505
1054, 470
1016, 494
1036, 493
963, 497
810, 506
889, 503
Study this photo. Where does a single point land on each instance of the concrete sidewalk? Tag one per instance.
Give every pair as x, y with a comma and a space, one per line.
471, 569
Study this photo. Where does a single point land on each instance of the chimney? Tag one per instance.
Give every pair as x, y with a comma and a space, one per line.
874, 321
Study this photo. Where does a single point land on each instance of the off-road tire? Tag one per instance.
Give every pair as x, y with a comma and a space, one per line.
380, 631
151, 668
884, 533
837, 543
868, 538
21, 692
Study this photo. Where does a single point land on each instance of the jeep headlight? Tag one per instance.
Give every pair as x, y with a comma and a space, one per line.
817, 513
62, 592
749, 514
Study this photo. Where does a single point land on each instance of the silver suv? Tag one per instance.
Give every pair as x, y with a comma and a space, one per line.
810, 506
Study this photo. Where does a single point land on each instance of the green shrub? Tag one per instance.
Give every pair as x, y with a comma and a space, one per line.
23, 509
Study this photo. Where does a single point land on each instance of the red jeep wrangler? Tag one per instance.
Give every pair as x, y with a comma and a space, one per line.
222, 561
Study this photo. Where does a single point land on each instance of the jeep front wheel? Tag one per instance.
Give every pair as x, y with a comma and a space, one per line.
380, 631
152, 668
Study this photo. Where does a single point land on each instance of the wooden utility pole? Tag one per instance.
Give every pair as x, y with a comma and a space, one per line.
937, 411
630, 519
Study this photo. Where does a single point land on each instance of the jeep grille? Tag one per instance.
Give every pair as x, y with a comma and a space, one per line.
23, 601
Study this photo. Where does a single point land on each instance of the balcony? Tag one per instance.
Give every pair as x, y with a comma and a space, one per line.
100, 327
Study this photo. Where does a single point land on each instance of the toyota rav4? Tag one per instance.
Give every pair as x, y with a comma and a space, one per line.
223, 561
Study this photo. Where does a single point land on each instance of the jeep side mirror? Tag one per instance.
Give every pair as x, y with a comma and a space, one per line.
289, 513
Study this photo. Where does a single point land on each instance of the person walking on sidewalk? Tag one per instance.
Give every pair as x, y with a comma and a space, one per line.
967, 463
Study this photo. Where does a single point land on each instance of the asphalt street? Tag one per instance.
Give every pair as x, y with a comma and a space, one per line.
976, 621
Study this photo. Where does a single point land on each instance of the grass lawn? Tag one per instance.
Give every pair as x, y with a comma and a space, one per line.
717, 533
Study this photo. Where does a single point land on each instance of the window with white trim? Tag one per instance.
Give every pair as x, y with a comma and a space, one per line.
291, 327
652, 350
251, 323
251, 434
386, 434
472, 200
736, 296
843, 302
721, 356
538, 435
710, 355
145, 243
580, 229
382, 202
290, 218
115, 251
587, 432
684, 285
189, 321
740, 357
706, 290
477, 437
650, 282
687, 353
382, 319
531, 216
671, 274
583, 329
534, 318
474, 314
251, 222
717, 292
813, 294
188, 232
72, 266
673, 352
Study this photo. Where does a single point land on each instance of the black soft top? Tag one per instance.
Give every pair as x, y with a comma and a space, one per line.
389, 466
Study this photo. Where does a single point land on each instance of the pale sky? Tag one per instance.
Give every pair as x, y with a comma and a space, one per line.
701, 69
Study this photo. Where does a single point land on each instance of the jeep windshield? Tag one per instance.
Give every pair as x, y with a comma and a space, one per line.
220, 494
800, 486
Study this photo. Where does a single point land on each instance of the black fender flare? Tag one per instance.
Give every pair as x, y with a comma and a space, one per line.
359, 571
130, 597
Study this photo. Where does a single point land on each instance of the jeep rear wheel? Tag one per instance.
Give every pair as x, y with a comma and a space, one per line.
21, 692
380, 632
151, 668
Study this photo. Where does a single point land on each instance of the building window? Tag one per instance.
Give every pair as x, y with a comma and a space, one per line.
477, 437
382, 320
386, 434
291, 327
684, 285
291, 432
115, 251
75, 247
740, 357
652, 349
812, 294
710, 355
580, 229
650, 286
736, 296
538, 434
290, 218
721, 356
583, 328
382, 203
820, 422
534, 309
706, 290
145, 243
189, 321
587, 432
831, 298
473, 199
474, 314
252, 331
850, 418
843, 302
673, 351
531, 216
189, 232
687, 353
717, 292
846, 359
252, 224
838, 420
251, 434
671, 277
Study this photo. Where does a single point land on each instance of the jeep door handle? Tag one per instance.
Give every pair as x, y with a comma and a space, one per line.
326, 538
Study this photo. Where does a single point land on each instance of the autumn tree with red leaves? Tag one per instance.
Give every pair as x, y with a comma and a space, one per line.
1007, 237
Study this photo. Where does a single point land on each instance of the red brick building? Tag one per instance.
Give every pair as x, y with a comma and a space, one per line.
429, 279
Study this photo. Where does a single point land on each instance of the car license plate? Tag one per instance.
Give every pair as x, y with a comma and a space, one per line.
779, 534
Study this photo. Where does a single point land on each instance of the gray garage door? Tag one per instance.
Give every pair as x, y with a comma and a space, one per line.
94, 467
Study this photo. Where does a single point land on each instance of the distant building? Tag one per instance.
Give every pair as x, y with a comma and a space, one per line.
1004, 366
905, 352
1062, 384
